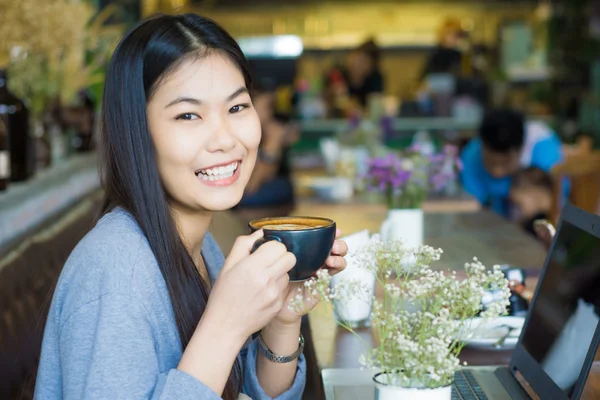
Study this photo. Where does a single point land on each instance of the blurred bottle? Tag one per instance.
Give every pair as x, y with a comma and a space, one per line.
15, 116
423, 143
83, 141
4, 157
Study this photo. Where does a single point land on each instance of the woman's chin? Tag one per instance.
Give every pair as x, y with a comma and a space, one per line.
221, 204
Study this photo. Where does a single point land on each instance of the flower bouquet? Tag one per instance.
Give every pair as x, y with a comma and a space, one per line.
406, 179
422, 318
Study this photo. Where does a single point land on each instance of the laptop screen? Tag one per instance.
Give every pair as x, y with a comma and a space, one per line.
566, 311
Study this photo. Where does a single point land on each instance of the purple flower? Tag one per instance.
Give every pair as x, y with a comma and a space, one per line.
439, 181
400, 179
394, 173
437, 158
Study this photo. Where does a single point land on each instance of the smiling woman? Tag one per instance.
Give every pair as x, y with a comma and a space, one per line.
205, 131
147, 306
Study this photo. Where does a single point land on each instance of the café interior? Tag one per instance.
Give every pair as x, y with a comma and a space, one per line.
484, 117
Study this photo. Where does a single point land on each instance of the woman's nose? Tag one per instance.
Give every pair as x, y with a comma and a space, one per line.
222, 137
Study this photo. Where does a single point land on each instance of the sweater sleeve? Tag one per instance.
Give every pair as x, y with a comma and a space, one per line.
251, 386
107, 350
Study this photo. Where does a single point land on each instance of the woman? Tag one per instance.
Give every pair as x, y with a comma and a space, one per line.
131, 316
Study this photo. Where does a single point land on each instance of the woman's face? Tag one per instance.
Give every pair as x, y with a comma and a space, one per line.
206, 133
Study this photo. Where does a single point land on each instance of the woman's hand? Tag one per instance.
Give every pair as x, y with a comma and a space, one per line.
335, 264
251, 288
248, 293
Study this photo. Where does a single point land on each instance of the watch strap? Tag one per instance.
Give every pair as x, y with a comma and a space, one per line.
269, 355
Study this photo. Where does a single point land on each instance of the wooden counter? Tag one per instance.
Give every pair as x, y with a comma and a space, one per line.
29, 204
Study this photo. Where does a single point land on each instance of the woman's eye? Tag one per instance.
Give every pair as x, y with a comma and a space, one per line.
238, 108
188, 116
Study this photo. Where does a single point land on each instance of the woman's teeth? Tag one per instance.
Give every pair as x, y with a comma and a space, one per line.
217, 173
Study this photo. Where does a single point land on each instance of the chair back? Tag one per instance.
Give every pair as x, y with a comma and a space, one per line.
583, 173
28, 275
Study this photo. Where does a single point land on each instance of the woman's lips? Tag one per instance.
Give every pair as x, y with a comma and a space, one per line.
220, 176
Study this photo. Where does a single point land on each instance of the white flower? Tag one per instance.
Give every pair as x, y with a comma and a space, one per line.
421, 317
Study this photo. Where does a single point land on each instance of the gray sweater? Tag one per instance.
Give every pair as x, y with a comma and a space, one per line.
111, 332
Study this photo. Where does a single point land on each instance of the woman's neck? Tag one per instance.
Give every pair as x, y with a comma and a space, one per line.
192, 227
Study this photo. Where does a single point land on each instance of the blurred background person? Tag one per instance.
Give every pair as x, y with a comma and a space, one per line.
531, 197
348, 87
506, 143
270, 183
446, 56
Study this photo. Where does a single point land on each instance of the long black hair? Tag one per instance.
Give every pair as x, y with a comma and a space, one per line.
129, 171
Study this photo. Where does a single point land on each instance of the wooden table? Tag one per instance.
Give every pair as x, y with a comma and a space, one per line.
330, 346
357, 384
462, 235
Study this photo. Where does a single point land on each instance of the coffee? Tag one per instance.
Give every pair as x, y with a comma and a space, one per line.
290, 223
286, 227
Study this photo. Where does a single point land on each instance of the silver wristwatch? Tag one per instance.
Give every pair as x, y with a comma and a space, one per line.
280, 359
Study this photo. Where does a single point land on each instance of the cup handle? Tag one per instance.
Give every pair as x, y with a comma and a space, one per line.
262, 241
385, 230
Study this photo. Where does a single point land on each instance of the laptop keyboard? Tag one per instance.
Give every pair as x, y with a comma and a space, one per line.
466, 387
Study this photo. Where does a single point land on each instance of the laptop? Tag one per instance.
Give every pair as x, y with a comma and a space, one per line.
559, 339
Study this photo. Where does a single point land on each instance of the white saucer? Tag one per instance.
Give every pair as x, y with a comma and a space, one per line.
485, 334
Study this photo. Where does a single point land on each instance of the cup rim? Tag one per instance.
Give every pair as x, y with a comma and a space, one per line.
329, 221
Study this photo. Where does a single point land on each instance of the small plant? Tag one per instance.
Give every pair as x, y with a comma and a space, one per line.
423, 316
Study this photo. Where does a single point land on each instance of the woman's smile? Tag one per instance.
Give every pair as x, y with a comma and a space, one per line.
223, 174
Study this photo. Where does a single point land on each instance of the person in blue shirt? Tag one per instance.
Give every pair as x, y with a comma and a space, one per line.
506, 144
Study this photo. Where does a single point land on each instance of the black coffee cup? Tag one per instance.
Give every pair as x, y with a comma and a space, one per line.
310, 239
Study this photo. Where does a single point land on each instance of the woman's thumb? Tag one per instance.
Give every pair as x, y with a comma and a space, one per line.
242, 248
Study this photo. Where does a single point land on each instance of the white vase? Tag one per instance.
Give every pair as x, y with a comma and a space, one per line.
405, 225
355, 309
386, 389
